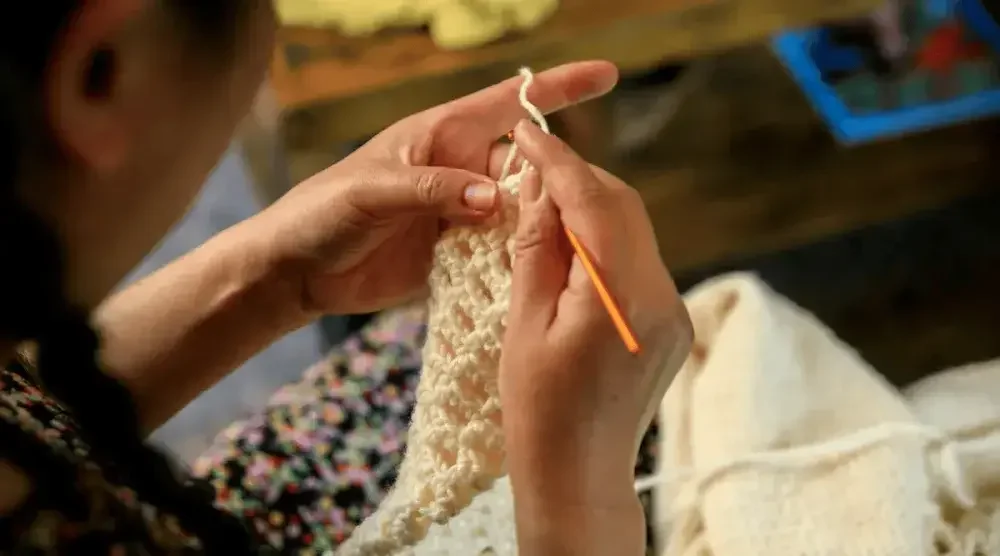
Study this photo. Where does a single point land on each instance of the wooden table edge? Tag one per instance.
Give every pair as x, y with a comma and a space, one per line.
698, 28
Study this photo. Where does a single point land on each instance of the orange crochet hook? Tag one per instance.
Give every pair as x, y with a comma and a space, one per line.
614, 311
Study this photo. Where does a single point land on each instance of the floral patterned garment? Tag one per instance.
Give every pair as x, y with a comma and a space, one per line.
77, 504
321, 457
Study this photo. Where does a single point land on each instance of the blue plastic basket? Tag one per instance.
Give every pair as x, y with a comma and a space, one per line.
852, 126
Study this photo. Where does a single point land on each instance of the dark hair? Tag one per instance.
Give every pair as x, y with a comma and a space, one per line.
39, 311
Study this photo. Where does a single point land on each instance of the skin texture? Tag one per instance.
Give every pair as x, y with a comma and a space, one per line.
576, 402
130, 155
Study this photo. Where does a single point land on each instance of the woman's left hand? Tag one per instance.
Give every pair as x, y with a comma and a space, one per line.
359, 236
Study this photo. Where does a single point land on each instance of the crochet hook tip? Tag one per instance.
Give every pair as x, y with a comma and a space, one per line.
614, 311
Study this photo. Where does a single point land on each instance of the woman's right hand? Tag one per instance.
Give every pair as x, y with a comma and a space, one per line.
576, 403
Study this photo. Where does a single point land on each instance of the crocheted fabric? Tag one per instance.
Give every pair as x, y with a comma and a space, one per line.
795, 384
778, 439
455, 443
486, 527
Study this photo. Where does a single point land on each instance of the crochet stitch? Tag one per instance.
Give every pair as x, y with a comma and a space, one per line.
778, 439
455, 441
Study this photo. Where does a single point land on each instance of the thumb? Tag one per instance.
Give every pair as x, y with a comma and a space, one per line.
449, 193
542, 257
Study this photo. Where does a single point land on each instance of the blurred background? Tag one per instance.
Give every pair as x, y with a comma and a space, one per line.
846, 151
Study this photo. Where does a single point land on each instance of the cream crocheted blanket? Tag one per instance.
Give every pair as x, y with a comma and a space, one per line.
779, 439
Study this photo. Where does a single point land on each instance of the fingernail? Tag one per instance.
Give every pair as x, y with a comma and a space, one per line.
481, 196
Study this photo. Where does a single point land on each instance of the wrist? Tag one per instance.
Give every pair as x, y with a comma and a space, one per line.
594, 460
571, 472
577, 513
580, 483
262, 277
175, 333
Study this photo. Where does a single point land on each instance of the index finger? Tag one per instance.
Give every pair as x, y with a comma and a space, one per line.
569, 180
498, 110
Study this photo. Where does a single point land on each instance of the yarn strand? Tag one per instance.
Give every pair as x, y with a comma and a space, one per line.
814, 454
537, 117
947, 539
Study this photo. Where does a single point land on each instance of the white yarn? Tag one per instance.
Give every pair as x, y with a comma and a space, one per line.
778, 439
977, 533
486, 527
455, 445
538, 118
809, 455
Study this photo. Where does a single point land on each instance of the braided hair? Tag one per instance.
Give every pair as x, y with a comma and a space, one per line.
40, 312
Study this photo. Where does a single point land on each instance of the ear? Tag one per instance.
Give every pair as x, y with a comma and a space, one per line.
83, 81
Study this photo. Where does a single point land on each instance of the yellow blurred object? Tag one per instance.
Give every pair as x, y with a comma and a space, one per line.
453, 24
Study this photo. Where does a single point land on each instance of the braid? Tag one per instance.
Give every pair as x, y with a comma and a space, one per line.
67, 357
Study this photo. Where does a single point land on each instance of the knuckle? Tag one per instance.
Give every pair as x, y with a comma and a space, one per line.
593, 196
428, 187
594, 321
606, 211
369, 177
565, 171
683, 328
631, 198
555, 175
362, 181
443, 125
586, 195
534, 231
669, 323
585, 190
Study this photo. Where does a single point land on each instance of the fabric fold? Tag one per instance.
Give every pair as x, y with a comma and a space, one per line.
783, 441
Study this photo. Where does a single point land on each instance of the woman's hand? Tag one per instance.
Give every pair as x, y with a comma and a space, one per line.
360, 234
576, 403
